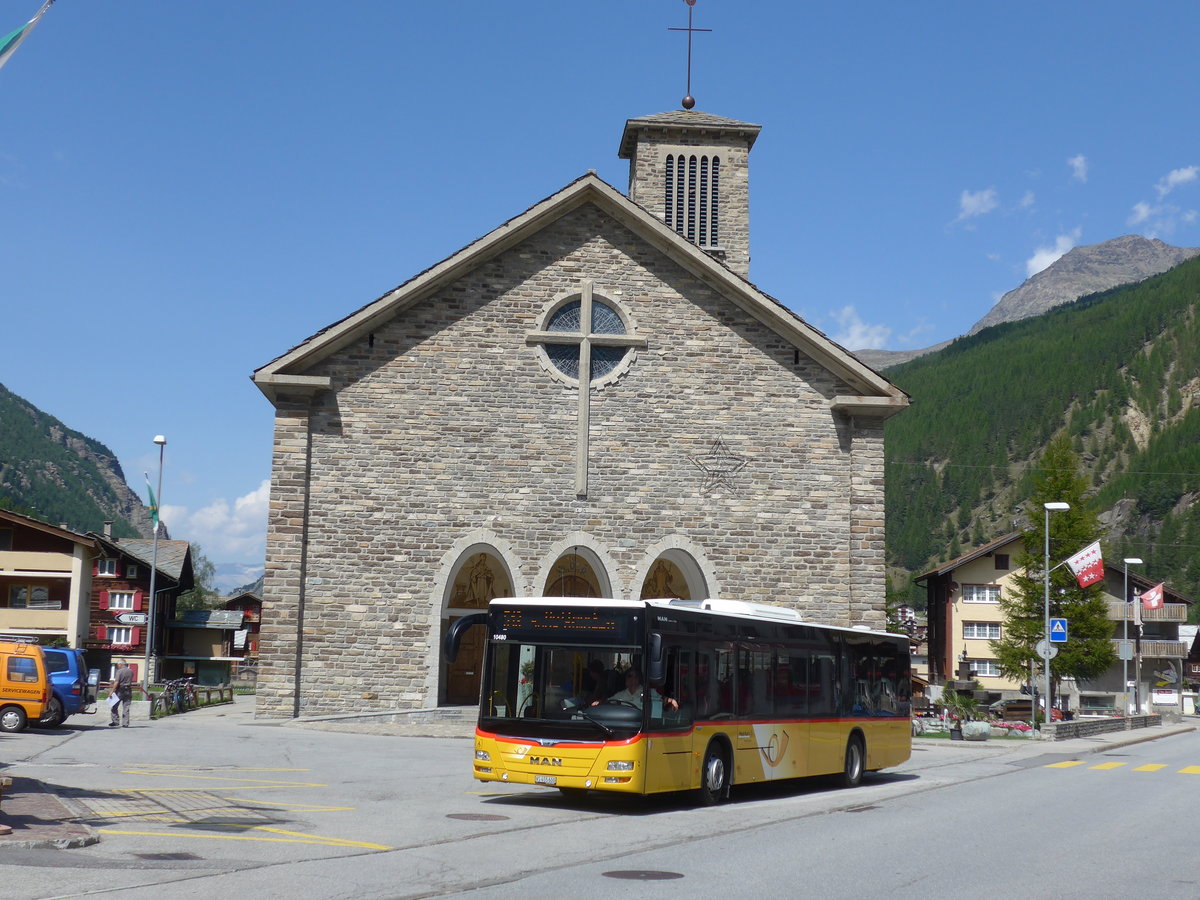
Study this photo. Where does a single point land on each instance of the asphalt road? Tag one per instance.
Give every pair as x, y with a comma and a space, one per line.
215, 804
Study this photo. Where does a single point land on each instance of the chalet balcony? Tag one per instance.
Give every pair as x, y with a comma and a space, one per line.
1170, 612
1161, 649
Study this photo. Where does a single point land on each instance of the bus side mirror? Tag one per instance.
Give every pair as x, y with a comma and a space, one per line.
457, 630
655, 673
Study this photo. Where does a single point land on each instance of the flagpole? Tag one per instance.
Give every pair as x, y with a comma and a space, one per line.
146, 673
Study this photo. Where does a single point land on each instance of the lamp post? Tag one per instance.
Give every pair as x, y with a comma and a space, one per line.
1049, 507
1129, 561
146, 674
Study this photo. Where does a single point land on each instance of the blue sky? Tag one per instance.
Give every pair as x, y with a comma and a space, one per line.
188, 189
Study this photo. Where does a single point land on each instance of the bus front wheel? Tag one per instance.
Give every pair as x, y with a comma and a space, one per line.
855, 762
714, 776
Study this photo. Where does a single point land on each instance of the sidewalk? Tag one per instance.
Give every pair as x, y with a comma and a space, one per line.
38, 819
1023, 749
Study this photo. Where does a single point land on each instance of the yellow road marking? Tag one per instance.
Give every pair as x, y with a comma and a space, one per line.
291, 837
1190, 770
1066, 765
295, 807
250, 784
175, 768
1150, 767
1109, 765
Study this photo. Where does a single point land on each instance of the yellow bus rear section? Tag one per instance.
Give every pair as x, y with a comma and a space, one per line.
654, 763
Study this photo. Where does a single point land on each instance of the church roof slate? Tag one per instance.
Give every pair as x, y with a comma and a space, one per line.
685, 118
876, 394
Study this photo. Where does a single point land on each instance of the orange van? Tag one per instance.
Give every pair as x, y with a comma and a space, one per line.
24, 686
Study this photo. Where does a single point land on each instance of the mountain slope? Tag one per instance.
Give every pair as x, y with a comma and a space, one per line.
1119, 371
1079, 272
63, 476
1086, 270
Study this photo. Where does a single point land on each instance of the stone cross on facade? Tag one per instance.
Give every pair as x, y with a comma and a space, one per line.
586, 340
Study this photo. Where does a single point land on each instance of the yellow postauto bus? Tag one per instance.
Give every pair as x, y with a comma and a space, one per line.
650, 696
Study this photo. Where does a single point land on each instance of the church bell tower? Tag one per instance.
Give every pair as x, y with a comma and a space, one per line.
691, 170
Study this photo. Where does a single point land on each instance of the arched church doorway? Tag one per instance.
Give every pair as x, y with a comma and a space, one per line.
575, 574
480, 576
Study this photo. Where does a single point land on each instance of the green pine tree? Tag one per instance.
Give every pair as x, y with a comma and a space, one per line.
1089, 652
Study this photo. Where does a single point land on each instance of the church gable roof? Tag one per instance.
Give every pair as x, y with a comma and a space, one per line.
875, 395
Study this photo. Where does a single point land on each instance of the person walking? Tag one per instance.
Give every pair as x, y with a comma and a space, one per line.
122, 687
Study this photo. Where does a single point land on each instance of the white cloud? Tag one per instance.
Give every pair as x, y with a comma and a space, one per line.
1079, 167
224, 532
1175, 178
976, 203
1141, 212
1044, 257
1027, 201
856, 334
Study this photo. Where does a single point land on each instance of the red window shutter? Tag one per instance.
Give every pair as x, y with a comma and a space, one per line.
134, 634
102, 633
133, 669
104, 599
96, 566
137, 602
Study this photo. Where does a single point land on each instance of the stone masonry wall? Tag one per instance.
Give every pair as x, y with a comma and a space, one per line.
447, 424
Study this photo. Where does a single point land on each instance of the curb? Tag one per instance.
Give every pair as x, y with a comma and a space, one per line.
49, 814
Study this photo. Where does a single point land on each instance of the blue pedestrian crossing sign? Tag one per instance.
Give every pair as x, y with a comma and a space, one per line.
1058, 631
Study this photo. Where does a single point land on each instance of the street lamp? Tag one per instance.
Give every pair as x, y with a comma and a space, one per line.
162, 443
1129, 561
1049, 507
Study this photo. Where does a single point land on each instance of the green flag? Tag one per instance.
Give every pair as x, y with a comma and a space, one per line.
153, 502
12, 40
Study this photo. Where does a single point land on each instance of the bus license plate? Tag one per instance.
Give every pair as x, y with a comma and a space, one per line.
545, 779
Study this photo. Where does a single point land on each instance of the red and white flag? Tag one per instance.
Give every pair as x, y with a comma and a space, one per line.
1153, 598
1088, 565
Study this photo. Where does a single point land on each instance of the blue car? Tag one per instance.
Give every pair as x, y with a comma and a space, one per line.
70, 692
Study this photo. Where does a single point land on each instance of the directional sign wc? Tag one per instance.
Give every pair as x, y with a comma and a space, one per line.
1058, 631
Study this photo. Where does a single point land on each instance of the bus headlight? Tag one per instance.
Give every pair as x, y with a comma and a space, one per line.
483, 756
620, 765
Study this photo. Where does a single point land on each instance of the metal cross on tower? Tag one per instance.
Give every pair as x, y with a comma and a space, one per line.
689, 101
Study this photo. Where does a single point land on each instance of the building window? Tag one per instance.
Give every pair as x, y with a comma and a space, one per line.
106, 567
5, 539
984, 668
981, 593
120, 600
31, 596
1002, 564
120, 635
981, 631
131, 571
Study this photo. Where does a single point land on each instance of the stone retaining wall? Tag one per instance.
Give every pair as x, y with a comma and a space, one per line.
1061, 731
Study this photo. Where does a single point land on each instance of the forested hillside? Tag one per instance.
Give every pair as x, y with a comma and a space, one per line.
1119, 371
61, 476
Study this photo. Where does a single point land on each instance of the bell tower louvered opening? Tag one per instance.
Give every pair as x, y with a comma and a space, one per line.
691, 170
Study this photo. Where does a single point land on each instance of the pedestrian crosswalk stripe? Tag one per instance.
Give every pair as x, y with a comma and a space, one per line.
1190, 770
1152, 767
1066, 765
1110, 765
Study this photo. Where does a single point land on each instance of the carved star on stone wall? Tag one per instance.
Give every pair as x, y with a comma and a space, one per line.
719, 465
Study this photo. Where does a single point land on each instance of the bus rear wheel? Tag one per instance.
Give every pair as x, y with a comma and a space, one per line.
855, 762
714, 776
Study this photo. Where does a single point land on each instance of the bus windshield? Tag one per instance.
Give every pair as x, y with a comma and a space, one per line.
563, 691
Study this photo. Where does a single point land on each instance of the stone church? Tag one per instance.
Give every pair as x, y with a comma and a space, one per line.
591, 400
